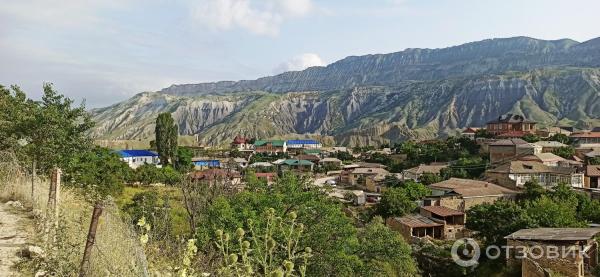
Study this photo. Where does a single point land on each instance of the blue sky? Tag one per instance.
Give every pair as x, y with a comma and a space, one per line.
105, 51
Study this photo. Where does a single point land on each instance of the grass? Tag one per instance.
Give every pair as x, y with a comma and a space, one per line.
116, 252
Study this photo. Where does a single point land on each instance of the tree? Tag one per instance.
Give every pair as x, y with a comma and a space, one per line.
383, 248
428, 178
566, 152
183, 161
415, 191
166, 132
533, 190
483, 133
562, 138
531, 138
495, 221
593, 161
148, 174
98, 174
395, 202
545, 212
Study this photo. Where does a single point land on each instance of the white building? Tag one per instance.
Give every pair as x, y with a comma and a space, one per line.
136, 158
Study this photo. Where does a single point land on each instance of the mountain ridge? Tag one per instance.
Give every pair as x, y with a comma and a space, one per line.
415, 93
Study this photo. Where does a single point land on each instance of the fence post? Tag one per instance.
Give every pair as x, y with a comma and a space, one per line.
91, 238
52, 209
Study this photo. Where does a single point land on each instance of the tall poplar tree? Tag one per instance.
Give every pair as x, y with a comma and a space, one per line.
166, 138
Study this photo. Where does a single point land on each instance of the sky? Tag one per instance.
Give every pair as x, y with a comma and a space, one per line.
105, 51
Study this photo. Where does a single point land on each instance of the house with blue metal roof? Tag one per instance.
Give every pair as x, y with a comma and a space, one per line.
303, 144
135, 158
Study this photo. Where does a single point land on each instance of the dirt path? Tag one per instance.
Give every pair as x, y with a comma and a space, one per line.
13, 236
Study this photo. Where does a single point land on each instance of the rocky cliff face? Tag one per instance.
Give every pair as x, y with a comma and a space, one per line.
416, 93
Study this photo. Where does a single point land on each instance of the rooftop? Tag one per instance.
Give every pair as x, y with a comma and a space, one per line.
508, 142
302, 141
417, 220
593, 153
262, 164
331, 160
366, 170
586, 135
279, 143
592, 170
514, 134
555, 234
549, 143
442, 211
297, 162
136, 153
530, 167
470, 188
543, 157
424, 168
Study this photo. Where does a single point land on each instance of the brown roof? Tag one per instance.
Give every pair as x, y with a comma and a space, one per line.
592, 170
417, 220
307, 157
424, 168
442, 211
543, 157
586, 135
508, 142
555, 234
514, 134
471, 188
530, 167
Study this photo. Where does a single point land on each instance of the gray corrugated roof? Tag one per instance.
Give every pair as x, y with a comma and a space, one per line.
556, 234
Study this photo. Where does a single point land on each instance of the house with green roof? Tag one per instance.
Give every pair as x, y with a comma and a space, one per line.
296, 165
270, 146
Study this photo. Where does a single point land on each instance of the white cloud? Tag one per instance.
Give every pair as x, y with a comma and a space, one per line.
262, 17
300, 62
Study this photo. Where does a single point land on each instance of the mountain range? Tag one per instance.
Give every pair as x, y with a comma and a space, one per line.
374, 99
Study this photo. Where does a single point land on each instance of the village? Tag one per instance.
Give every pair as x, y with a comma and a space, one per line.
500, 161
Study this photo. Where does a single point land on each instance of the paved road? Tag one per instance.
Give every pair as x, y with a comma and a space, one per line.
13, 236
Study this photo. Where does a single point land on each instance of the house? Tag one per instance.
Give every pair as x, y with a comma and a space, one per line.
511, 125
201, 163
261, 164
470, 132
136, 158
270, 146
507, 149
296, 144
592, 176
242, 144
462, 194
367, 177
515, 174
453, 220
586, 139
564, 251
269, 177
548, 159
547, 132
415, 173
312, 158
231, 177
415, 226
548, 145
331, 162
296, 165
